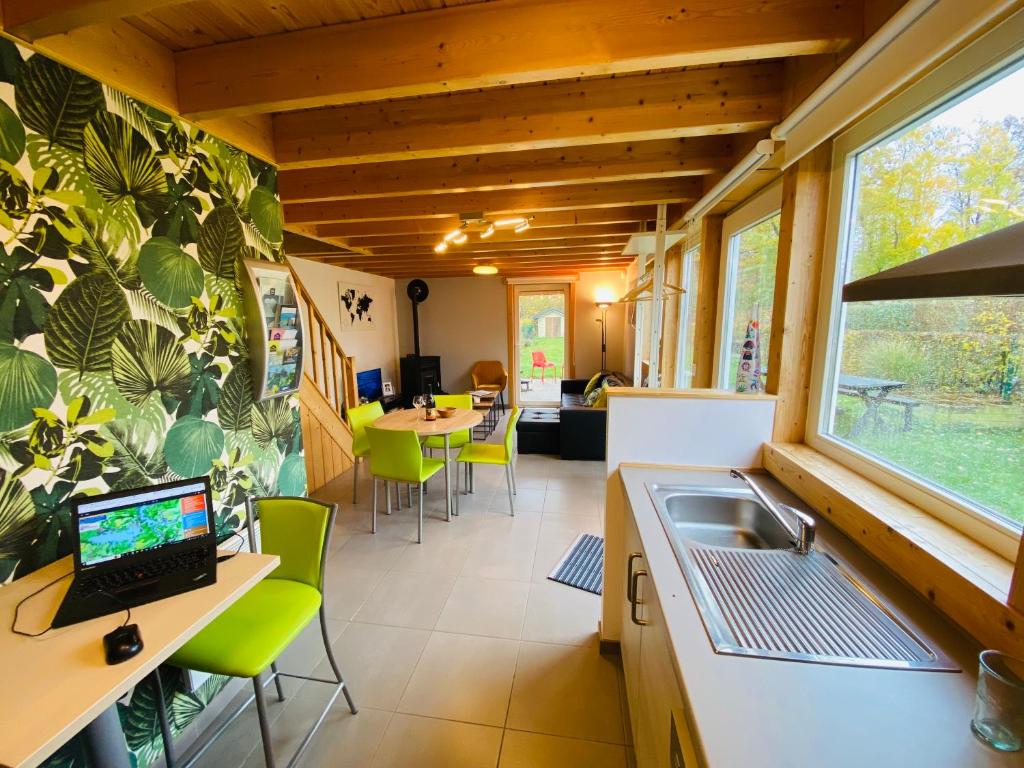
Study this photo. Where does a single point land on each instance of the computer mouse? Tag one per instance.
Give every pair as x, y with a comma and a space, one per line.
122, 644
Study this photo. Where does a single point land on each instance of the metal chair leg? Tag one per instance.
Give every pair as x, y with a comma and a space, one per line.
161, 711
373, 526
457, 493
387, 498
261, 712
508, 482
408, 488
512, 471
355, 480
419, 530
334, 664
277, 681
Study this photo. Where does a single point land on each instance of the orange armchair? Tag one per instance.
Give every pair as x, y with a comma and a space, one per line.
490, 375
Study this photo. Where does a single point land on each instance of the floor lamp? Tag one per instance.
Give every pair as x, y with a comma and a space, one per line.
603, 320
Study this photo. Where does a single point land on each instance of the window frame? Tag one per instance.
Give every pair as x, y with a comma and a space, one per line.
759, 208
951, 82
689, 274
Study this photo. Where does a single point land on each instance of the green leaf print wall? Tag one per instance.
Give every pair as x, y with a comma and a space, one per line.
122, 353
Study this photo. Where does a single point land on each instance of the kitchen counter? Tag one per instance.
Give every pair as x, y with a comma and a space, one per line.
763, 713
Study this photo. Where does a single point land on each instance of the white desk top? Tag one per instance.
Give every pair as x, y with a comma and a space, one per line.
57, 683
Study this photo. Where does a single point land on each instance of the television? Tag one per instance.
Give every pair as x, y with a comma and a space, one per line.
370, 384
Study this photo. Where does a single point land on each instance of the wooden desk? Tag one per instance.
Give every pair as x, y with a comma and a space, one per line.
58, 684
412, 418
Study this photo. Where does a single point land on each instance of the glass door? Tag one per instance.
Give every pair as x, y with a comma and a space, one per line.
542, 354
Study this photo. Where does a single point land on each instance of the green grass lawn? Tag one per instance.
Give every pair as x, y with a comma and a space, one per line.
553, 349
978, 453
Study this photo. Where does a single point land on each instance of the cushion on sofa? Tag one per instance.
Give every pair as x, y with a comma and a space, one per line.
594, 383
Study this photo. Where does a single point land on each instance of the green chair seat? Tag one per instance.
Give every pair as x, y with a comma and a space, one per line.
483, 453
359, 418
455, 440
429, 468
256, 629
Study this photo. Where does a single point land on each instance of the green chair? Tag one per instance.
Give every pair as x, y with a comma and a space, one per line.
358, 419
395, 455
489, 453
455, 439
247, 639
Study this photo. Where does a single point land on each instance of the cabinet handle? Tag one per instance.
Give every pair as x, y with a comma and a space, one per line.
629, 574
633, 601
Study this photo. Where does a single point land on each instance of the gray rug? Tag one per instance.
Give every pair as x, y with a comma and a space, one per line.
583, 565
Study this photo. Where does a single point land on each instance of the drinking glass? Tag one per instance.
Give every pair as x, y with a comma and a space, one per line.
999, 709
417, 402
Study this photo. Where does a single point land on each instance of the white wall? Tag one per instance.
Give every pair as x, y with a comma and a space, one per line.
588, 331
463, 320
371, 349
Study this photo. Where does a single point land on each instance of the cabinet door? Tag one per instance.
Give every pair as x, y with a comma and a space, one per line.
630, 640
658, 693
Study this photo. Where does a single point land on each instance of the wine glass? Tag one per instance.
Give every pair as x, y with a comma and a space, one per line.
418, 401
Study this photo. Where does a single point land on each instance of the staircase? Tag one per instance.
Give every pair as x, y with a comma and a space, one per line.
328, 386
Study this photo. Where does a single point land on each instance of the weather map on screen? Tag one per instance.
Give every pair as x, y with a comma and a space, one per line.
114, 532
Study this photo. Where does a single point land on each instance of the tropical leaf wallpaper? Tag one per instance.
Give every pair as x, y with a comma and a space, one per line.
122, 357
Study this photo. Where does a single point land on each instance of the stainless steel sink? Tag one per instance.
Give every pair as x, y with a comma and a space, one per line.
758, 596
723, 518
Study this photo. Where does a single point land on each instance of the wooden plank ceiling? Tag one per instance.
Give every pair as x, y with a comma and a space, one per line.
391, 120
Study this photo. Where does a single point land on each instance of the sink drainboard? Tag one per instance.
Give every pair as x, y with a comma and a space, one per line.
781, 605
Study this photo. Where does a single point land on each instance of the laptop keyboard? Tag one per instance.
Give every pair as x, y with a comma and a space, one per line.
150, 570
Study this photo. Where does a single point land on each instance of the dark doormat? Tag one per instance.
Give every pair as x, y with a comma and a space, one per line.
583, 565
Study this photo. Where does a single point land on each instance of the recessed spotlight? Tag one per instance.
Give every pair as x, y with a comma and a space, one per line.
485, 269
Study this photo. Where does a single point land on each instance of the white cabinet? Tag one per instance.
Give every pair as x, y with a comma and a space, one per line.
652, 687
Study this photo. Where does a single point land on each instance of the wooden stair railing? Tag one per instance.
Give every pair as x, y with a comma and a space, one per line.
328, 387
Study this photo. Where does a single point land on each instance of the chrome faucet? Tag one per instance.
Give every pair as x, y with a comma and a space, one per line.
803, 536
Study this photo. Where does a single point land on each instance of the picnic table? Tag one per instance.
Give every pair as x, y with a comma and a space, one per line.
875, 392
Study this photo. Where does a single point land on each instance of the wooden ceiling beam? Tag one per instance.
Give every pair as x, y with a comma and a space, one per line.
33, 19
493, 44
498, 258
515, 201
511, 170
487, 246
122, 57
511, 270
584, 217
664, 105
502, 236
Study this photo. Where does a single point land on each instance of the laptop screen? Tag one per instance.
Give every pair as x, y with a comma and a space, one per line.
126, 524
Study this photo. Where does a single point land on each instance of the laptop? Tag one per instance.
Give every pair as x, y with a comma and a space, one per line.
136, 546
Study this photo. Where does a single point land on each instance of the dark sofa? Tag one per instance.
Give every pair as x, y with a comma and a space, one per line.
581, 429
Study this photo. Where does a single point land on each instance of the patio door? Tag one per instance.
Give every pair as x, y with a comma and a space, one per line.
541, 320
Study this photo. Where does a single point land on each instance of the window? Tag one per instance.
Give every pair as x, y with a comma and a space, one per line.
688, 318
926, 394
748, 291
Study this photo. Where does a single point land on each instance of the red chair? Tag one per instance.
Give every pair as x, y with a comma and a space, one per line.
539, 361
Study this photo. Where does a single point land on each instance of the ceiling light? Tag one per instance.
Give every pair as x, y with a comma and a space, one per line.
487, 232
485, 269
522, 226
459, 238
514, 221
441, 247
455, 233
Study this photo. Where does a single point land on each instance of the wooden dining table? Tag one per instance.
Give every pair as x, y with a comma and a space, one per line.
414, 419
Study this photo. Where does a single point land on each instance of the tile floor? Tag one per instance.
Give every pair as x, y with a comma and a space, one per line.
459, 652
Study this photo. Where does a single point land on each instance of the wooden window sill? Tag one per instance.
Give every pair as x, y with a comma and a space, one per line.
964, 580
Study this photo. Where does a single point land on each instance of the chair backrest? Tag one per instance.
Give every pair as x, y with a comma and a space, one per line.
358, 419
489, 372
297, 530
395, 454
510, 432
454, 401
539, 359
